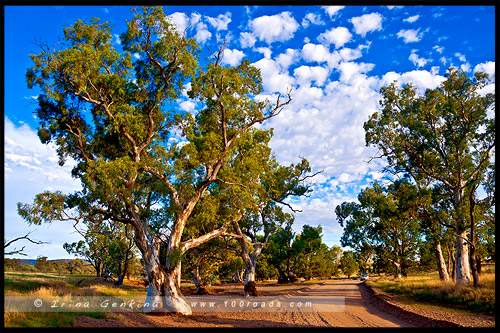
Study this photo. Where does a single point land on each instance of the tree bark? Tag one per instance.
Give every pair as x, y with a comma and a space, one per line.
462, 267
462, 275
441, 264
164, 294
201, 287
237, 276
451, 261
98, 268
398, 274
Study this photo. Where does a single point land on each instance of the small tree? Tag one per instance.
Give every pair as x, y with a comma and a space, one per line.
43, 265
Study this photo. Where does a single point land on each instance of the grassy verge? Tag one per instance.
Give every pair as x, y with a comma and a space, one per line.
428, 289
33, 284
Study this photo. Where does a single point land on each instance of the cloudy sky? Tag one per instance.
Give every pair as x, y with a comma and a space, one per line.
335, 58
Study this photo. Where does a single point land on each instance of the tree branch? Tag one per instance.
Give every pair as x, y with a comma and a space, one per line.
7, 244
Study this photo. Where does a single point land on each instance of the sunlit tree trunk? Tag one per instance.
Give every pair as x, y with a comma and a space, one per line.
441, 264
462, 274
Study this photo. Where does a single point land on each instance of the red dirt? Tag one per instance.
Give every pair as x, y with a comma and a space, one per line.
363, 308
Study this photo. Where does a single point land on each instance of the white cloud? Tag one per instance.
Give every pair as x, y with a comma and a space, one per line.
412, 19
486, 67
332, 10
305, 75
435, 70
410, 35
326, 126
181, 20
312, 18
265, 51
315, 52
350, 70
465, 67
287, 58
274, 77
23, 152
460, 57
338, 36
279, 27
232, 57
321, 54
247, 39
417, 61
184, 22
439, 49
202, 33
420, 79
187, 106
220, 22
367, 23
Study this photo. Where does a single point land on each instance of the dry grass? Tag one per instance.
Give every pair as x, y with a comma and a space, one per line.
44, 285
430, 289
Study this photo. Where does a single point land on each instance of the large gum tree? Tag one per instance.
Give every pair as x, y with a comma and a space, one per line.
446, 135
114, 113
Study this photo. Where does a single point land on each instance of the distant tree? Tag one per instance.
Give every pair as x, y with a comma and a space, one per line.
387, 218
305, 248
348, 264
326, 261
278, 184
265, 270
43, 265
280, 253
108, 246
301, 255
427, 259
18, 265
203, 263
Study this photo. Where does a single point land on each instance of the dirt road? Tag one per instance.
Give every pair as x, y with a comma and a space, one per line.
357, 312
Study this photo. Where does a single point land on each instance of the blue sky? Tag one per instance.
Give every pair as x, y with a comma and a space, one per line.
336, 59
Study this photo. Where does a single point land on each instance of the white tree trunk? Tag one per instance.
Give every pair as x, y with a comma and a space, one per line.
249, 280
462, 273
443, 272
164, 293
462, 268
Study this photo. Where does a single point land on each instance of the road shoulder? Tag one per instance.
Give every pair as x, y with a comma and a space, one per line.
422, 316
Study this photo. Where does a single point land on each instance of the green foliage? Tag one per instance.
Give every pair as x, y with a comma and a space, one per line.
385, 220
445, 134
47, 207
348, 264
107, 246
444, 139
303, 255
